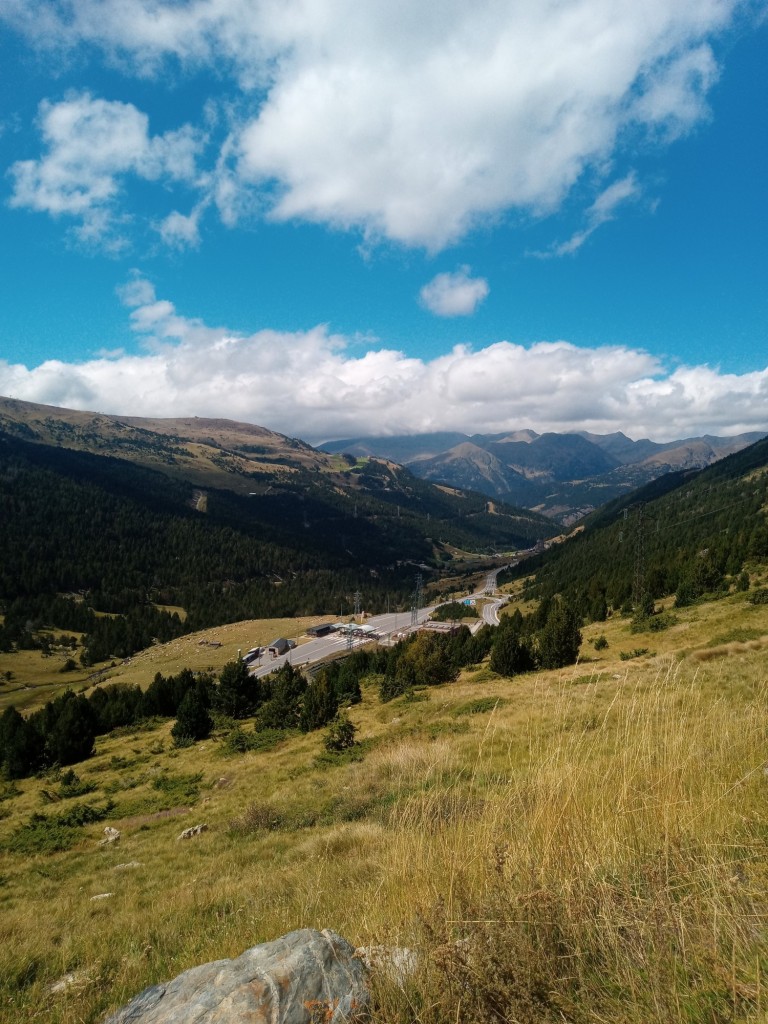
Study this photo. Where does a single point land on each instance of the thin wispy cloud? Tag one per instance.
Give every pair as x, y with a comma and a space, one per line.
600, 212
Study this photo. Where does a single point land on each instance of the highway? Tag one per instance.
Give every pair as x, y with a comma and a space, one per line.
384, 627
492, 604
323, 647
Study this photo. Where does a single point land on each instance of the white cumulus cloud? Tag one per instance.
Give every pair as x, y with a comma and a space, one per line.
91, 144
407, 121
316, 385
455, 294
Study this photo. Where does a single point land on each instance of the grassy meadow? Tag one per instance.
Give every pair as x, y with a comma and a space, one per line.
36, 679
587, 845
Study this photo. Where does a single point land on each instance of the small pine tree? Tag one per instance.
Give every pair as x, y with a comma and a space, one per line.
560, 639
319, 705
511, 654
284, 691
21, 747
193, 722
237, 695
341, 733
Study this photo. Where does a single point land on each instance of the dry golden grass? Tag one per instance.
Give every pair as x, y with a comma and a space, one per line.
590, 847
188, 651
36, 679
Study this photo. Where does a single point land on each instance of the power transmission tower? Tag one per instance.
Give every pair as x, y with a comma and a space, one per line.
639, 585
638, 579
357, 603
418, 596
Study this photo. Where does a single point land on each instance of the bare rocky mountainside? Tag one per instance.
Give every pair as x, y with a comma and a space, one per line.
564, 476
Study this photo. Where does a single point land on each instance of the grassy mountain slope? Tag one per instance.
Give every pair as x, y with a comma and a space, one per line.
206, 452
583, 845
468, 464
255, 462
75, 520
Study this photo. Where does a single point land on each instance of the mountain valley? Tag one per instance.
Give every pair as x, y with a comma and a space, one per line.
579, 786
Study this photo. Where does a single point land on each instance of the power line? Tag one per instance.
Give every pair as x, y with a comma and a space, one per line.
701, 515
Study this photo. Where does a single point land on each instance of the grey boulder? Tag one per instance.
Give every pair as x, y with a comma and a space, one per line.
305, 977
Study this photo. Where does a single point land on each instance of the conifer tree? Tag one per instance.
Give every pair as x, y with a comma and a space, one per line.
341, 733
237, 695
21, 748
71, 736
511, 653
193, 721
560, 638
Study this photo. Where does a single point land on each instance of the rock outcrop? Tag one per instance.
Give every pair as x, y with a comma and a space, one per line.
305, 977
193, 830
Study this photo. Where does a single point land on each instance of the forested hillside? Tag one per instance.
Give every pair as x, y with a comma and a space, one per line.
119, 538
687, 534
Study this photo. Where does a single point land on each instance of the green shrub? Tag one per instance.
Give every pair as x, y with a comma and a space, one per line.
71, 785
390, 687
638, 652
51, 834
737, 635
256, 818
480, 706
341, 734
654, 623
240, 742
8, 789
178, 789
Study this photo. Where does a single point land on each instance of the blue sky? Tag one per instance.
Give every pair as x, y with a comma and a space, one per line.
332, 218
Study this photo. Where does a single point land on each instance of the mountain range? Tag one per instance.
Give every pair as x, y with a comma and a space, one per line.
564, 476
225, 520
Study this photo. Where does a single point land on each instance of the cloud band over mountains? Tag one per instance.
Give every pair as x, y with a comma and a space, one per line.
317, 385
